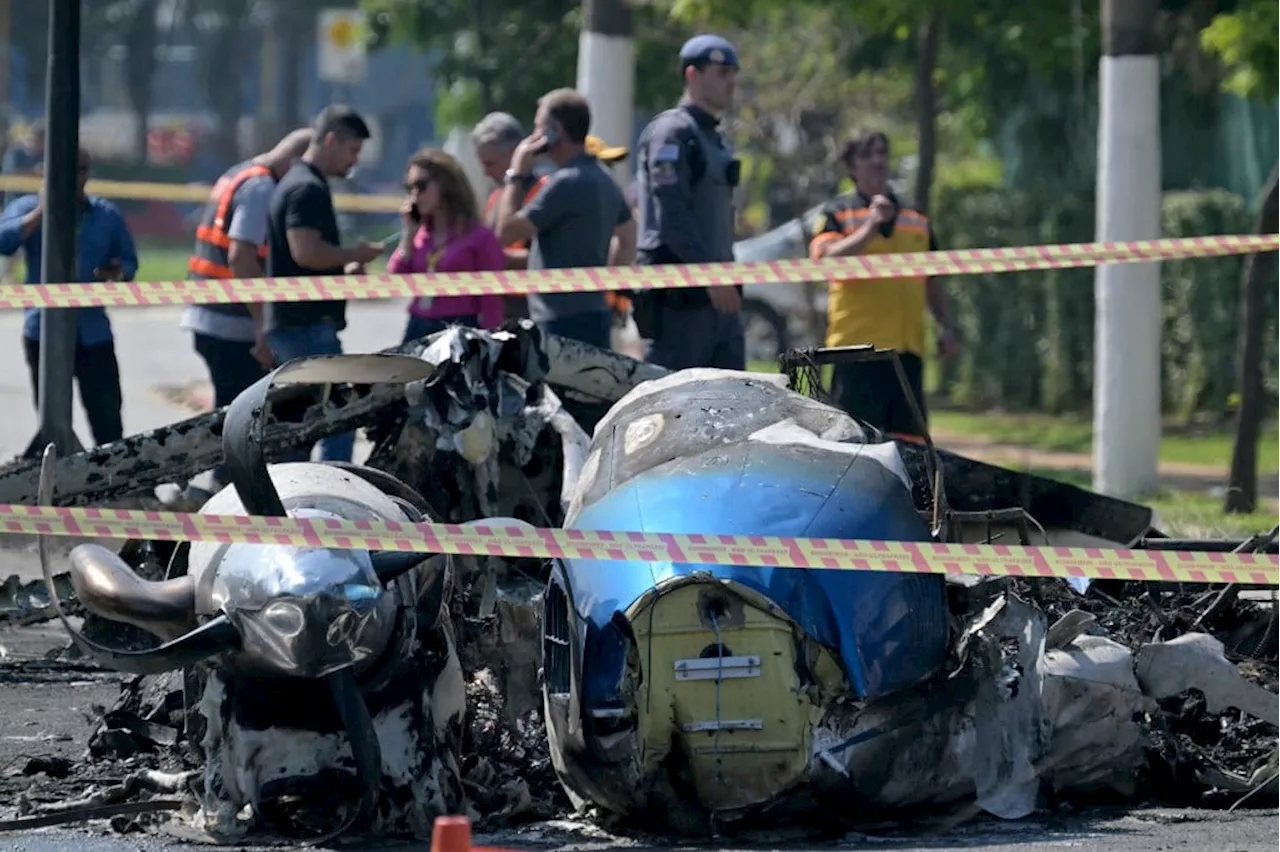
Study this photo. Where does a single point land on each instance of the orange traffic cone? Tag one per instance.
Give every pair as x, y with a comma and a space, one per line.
451, 834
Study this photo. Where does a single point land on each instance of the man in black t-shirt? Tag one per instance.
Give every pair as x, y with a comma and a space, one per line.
304, 240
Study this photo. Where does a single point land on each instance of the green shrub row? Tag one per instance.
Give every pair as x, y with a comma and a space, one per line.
1029, 336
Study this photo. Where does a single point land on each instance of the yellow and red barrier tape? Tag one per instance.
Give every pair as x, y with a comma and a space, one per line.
596, 279
612, 546
197, 193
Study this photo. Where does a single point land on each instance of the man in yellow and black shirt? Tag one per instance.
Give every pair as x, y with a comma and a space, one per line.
888, 313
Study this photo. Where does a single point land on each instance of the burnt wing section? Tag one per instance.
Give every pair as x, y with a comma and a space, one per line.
974, 486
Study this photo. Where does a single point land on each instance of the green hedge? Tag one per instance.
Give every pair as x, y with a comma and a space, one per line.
1029, 336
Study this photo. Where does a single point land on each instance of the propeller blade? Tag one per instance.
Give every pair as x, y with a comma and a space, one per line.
246, 416
210, 639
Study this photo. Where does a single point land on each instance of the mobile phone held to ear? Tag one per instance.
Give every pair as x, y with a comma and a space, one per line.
551, 137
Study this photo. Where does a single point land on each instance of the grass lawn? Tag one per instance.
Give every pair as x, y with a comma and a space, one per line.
1184, 513
169, 263
1072, 434
1199, 515
162, 263
1194, 514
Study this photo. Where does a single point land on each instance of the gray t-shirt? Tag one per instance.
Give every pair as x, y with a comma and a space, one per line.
251, 204
575, 214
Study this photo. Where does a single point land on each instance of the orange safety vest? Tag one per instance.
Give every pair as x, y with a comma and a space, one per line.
212, 255
491, 209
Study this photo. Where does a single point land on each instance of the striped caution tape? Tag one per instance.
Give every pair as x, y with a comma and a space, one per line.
596, 279
766, 551
191, 192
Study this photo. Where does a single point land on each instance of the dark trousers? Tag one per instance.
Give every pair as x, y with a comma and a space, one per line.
871, 392
232, 369
686, 336
594, 328
97, 374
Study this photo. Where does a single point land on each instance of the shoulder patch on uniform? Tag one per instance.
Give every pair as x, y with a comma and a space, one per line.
664, 173
667, 153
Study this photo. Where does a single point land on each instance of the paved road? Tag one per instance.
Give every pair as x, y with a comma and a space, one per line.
1141, 831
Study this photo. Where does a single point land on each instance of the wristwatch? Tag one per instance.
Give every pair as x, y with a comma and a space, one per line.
512, 177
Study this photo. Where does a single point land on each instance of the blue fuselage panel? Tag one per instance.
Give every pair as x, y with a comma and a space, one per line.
890, 630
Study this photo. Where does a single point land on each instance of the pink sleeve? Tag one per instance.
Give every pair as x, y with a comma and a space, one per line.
491, 258
400, 263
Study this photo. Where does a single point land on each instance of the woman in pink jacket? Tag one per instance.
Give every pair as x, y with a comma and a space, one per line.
442, 232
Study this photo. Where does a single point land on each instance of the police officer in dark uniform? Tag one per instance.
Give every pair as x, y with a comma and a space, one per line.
686, 177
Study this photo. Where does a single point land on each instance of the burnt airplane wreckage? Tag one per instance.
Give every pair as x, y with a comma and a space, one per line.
322, 691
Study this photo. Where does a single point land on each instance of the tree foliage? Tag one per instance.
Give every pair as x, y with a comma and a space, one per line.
1246, 41
799, 91
974, 66
504, 54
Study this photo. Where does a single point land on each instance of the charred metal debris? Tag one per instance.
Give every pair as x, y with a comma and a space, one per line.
1032, 694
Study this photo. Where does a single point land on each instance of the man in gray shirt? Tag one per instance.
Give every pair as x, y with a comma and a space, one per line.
579, 218
231, 242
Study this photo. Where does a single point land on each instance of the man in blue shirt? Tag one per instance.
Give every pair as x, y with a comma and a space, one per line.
104, 252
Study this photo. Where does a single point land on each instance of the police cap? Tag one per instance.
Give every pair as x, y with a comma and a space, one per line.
708, 50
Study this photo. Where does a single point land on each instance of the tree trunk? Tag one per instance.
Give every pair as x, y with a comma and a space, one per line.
229, 49
926, 102
140, 70
1242, 487
293, 21
268, 126
484, 75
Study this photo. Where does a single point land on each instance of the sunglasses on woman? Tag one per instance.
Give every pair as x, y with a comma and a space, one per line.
420, 185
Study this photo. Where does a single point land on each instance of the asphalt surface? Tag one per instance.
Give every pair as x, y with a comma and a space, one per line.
49, 713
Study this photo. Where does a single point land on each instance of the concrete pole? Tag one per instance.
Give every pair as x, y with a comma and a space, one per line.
607, 73
58, 255
270, 127
6, 53
1126, 382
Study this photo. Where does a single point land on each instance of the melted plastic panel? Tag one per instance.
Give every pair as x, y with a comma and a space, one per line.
689, 412
890, 629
